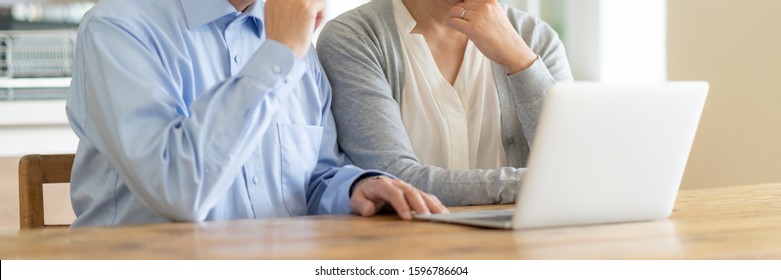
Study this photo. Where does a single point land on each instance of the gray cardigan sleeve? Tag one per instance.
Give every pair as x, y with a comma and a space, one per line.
527, 88
364, 71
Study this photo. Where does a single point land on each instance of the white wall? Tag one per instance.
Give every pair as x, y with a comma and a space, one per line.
735, 46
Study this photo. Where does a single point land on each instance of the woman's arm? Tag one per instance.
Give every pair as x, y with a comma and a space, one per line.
370, 129
528, 50
528, 87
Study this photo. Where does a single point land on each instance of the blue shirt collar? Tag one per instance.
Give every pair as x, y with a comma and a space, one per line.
200, 12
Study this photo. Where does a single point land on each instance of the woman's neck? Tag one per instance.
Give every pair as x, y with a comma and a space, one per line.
430, 15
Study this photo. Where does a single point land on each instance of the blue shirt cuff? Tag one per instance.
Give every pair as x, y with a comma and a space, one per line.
368, 174
340, 195
275, 66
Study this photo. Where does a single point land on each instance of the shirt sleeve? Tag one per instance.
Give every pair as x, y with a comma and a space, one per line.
177, 153
329, 190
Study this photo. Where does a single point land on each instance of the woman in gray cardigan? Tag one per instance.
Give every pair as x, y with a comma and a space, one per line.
444, 94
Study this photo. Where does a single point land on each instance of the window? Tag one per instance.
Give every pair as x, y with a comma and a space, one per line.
612, 40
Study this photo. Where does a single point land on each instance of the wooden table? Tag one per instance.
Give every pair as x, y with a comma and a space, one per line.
724, 223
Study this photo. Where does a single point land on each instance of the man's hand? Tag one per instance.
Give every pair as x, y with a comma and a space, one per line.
292, 22
487, 25
374, 193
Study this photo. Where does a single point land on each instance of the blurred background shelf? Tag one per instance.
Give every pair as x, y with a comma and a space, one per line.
37, 39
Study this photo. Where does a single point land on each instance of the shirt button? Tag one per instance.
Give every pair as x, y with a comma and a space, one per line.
255, 179
236, 59
510, 141
287, 80
276, 69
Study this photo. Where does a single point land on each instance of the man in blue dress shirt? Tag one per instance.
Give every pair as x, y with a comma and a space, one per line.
194, 110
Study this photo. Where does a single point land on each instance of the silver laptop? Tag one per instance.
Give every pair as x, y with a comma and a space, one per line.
602, 154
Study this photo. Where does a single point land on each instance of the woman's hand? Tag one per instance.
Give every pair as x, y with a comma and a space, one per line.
487, 25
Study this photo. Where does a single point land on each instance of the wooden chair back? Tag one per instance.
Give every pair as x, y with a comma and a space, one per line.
34, 172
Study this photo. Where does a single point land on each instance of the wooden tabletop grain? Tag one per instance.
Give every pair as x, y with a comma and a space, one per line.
721, 223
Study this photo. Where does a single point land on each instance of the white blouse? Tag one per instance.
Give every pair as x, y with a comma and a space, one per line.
450, 126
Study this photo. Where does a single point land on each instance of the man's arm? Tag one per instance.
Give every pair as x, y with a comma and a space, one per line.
177, 158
